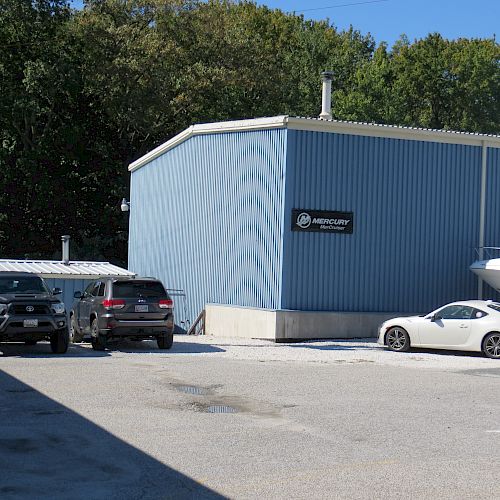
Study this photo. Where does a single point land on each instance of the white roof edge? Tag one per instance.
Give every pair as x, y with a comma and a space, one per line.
393, 131
58, 269
81, 276
210, 128
315, 124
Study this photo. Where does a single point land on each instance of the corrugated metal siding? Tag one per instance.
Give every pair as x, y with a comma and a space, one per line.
207, 218
416, 223
492, 226
68, 287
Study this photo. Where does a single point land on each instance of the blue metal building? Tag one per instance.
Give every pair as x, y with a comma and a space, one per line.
214, 211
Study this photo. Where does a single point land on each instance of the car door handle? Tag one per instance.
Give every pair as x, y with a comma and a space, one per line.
464, 326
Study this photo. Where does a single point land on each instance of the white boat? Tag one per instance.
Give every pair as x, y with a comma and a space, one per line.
489, 269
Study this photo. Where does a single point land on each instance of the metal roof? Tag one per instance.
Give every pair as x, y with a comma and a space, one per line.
57, 269
320, 125
398, 127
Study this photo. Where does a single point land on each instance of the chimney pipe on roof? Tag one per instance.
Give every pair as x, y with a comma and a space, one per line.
326, 102
65, 249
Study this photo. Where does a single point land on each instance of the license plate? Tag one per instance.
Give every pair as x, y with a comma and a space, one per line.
141, 309
30, 323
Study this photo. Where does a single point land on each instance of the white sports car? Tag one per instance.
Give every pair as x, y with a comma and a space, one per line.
469, 325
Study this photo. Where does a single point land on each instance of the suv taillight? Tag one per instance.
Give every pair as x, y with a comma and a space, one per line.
166, 303
113, 303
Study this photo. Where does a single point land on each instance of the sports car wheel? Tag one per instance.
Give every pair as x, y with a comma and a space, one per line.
398, 339
491, 345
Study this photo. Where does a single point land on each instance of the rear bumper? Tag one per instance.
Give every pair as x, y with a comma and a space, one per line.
12, 327
111, 327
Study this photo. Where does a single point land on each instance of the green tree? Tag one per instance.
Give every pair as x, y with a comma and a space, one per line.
37, 104
368, 99
440, 83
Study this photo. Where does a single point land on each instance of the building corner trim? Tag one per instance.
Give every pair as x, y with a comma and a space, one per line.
211, 128
482, 211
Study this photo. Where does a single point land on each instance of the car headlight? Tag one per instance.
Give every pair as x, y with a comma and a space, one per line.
58, 307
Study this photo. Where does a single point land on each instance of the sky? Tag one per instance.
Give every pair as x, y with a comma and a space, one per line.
386, 20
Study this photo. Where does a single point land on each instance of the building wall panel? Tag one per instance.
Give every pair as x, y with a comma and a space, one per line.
416, 223
207, 218
492, 226
68, 287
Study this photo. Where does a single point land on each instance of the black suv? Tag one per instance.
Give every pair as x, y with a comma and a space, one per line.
30, 312
112, 308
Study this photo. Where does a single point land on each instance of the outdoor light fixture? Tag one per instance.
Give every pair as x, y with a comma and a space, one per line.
125, 206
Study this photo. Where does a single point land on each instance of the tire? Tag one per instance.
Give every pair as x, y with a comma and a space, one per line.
30, 342
74, 334
59, 341
491, 345
397, 339
165, 341
98, 340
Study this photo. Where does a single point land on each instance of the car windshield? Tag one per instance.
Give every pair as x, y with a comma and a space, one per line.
26, 284
495, 307
125, 289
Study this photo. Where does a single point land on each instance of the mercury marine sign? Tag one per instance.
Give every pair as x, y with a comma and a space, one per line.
322, 221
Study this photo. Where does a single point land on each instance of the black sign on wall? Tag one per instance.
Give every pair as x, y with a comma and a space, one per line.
322, 221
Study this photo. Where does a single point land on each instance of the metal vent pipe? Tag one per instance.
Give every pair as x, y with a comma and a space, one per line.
65, 248
326, 101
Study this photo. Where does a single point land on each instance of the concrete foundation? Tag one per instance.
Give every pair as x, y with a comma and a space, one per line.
280, 326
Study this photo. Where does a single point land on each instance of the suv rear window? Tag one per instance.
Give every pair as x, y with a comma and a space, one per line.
126, 289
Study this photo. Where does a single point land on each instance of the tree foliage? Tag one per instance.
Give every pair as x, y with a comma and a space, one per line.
84, 93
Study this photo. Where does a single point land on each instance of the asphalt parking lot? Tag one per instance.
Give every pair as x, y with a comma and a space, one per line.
229, 418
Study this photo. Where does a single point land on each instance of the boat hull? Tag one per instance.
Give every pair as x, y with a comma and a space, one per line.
488, 271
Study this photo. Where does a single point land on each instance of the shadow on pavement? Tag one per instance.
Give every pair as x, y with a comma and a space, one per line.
49, 451
178, 329
149, 346
42, 349
444, 352
338, 347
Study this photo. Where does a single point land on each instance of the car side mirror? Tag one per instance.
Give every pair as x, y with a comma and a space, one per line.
56, 291
77, 295
435, 317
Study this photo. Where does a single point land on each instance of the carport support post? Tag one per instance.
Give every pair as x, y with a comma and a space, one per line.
482, 213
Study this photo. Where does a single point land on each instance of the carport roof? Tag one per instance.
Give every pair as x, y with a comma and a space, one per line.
58, 269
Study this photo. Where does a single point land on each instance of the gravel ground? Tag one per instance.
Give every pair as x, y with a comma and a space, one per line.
363, 350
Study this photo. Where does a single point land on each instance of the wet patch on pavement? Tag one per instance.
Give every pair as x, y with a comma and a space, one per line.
207, 400
483, 372
221, 409
192, 389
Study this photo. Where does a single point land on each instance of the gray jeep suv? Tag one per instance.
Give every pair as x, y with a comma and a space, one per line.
115, 308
